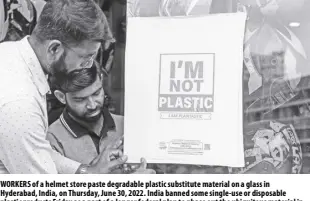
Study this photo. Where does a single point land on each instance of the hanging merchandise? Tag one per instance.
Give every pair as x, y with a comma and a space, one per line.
271, 147
184, 7
148, 8
20, 17
274, 7
276, 62
273, 56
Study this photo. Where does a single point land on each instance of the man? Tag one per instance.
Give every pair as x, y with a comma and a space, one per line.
67, 36
86, 126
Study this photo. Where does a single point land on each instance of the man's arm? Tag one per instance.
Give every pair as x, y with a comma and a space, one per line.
23, 147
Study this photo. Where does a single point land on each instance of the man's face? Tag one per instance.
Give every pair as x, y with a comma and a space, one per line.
75, 57
86, 105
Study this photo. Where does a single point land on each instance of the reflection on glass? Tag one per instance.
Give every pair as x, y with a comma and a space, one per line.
275, 63
276, 80
147, 8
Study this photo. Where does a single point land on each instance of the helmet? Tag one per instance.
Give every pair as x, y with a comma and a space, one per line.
20, 15
271, 147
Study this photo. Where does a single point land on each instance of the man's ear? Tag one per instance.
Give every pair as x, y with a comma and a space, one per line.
60, 96
55, 49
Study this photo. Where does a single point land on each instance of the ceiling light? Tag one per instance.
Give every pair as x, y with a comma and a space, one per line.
294, 24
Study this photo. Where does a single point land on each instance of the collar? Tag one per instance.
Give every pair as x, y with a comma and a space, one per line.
34, 66
78, 130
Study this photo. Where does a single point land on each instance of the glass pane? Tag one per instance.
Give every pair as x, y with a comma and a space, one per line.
275, 86
276, 79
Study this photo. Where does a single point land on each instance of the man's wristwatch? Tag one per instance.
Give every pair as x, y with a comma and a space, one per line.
83, 169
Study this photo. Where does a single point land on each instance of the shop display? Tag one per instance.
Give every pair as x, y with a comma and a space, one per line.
273, 56
19, 18
271, 147
275, 69
147, 8
276, 63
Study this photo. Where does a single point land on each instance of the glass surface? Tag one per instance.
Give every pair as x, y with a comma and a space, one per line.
276, 80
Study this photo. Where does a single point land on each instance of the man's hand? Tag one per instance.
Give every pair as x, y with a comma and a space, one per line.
107, 161
142, 169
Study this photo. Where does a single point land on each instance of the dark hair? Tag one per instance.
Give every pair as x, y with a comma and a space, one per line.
72, 21
75, 80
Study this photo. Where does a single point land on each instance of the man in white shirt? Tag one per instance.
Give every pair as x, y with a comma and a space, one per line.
67, 36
